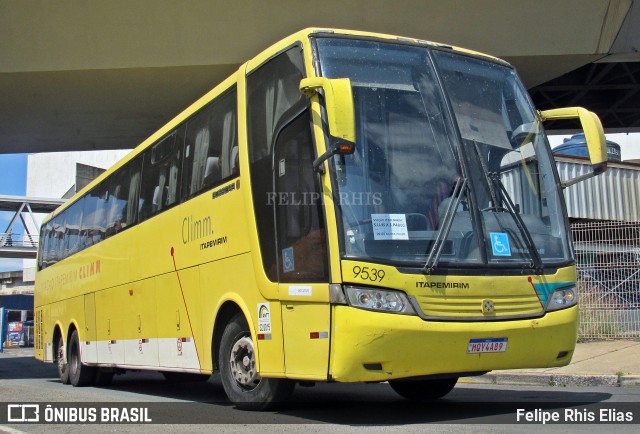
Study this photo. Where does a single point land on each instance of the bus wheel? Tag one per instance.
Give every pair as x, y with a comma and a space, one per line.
423, 390
79, 374
63, 367
240, 379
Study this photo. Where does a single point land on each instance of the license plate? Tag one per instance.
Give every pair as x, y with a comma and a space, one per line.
489, 345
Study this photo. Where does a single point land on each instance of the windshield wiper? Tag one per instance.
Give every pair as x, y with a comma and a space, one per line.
485, 171
445, 227
494, 177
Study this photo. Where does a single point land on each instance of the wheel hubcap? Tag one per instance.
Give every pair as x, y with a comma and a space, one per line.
242, 363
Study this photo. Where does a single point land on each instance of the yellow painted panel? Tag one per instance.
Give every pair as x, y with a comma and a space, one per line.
90, 317
306, 329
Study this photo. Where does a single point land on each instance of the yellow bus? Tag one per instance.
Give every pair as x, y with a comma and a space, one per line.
346, 207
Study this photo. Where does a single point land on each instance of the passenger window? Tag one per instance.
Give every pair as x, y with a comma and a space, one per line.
118, 194
58, 239
133, 199
161, 175
44, 254
211, 146
94, 223
72, 228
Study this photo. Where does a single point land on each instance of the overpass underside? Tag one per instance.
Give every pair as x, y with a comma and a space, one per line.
105, 75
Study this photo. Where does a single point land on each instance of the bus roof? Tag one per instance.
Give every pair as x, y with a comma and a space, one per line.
249, 65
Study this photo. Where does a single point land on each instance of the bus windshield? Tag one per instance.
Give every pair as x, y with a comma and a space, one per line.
451, 169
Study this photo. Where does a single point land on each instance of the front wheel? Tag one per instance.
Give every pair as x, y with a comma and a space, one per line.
423, 390
241, 381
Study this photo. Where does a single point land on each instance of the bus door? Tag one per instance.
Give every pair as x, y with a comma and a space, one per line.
301, 249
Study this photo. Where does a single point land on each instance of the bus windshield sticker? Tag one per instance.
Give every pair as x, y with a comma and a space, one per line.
287, 260
389, 226
264, 318
305, 291
500, 244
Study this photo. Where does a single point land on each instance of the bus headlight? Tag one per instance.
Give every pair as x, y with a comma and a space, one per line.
562, 298
381, 300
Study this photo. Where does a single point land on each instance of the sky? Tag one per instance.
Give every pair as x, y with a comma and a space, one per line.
13, 182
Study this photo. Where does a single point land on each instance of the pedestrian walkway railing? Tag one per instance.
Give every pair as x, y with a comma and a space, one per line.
11, 239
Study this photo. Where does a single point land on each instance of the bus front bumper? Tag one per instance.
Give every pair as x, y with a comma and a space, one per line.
373, 346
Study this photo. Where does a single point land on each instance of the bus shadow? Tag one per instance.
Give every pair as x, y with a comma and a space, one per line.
362, 404
490, 404
350, 404
24, 368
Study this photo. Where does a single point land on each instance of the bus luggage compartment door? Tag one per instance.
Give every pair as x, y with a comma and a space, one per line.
306, 331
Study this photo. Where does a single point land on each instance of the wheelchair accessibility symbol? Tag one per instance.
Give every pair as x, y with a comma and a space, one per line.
288, 264
500, 244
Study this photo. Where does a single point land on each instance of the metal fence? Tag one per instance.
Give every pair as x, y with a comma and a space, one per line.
608, 266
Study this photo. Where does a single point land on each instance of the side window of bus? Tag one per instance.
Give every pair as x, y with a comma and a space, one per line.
73, 219
94, 223
133, 200
123, 189
161, 174
301, 237
272, 94
211, 146
44, 246
58, 239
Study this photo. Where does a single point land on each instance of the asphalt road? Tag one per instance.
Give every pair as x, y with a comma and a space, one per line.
192, 407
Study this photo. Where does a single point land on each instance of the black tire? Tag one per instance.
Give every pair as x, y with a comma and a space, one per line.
184, 377
79, 375
423, 390
63, 366
248, 391
103, 377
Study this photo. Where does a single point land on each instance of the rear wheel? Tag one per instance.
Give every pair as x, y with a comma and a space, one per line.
61, 361
242, 383
79, 374
423, 390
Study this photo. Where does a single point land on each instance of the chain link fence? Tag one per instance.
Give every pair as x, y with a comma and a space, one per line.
608, 268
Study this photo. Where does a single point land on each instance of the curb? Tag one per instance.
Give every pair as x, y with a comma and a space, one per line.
555, 380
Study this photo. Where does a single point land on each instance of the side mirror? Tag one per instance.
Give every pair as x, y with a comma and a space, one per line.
340, 114
593, 133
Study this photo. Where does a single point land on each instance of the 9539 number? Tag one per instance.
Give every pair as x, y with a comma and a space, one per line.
368, 273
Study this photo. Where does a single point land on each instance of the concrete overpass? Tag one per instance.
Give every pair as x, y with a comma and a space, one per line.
104, 74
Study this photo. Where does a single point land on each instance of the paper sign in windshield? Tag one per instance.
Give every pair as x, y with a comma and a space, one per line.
389, 227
